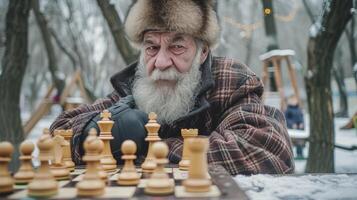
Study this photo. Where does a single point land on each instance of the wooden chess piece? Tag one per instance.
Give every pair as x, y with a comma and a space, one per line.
6, 181
152, 128
46, 131
128, 175
159, 182
43, 184
102, 174
198, 180
26, 172
58, 168
184, 164
67, 157
91, 185
109, 164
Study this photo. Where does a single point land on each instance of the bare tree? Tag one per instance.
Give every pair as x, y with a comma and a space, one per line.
324, 36
337, 71
46, 36
117, 28
14, 64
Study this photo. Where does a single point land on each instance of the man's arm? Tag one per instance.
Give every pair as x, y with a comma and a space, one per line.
76, 119
251, 138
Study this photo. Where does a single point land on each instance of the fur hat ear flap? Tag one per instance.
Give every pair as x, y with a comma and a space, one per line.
193, 17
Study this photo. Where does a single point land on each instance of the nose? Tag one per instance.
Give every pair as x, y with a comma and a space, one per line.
163, 60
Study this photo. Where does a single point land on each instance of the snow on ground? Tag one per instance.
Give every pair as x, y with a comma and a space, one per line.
303, 186
267, 187
345, 161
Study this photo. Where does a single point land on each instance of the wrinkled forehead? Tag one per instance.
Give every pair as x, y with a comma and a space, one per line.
169, 37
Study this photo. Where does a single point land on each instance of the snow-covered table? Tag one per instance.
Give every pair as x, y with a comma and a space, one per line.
305, 186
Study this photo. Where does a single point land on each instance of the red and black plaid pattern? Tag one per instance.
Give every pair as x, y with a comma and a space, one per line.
246, 137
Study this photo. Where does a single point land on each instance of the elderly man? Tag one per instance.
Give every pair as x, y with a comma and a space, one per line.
177, 77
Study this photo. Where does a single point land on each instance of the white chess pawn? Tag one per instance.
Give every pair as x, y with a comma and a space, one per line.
128, 175
6, 181
43, 184
159, 182
26, 172
91, 185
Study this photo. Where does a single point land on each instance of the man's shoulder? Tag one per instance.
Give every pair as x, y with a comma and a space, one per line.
230, 70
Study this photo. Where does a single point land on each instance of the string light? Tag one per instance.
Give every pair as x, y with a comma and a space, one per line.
249, 28
267, 11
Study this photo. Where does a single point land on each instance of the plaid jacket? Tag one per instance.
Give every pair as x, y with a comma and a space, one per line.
245, 136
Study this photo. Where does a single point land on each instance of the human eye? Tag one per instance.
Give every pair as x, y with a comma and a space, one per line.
177, 49
151, 50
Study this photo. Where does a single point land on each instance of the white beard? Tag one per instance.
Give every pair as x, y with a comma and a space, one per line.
169, 103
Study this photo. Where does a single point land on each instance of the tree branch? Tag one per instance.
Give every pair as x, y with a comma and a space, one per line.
64, 49
309, 12
117, 28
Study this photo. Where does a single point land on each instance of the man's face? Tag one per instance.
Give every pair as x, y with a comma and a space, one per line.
168, 75
166, 50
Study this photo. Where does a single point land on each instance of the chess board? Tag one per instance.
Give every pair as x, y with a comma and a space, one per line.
223, 186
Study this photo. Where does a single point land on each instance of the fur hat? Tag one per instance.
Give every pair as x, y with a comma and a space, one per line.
194, 17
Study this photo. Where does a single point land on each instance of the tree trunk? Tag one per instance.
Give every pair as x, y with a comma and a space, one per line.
321, 47
337, 71
339, 75
46, 36
352, 45
13, 70
350, 33
117, 28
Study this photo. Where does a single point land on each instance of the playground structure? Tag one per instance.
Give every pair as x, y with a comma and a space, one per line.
66, 101
276, 57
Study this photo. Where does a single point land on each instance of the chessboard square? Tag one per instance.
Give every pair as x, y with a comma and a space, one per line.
182, 174
142, 183
115, 177
22, 194
181, 193
167, 170
78, 178
20, 187
113, 172
78, 171
66, 193
119, 192
63, 183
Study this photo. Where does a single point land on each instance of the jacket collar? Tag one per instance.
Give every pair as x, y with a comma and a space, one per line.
123, 81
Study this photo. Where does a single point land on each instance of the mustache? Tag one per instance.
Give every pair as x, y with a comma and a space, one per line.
170, 74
